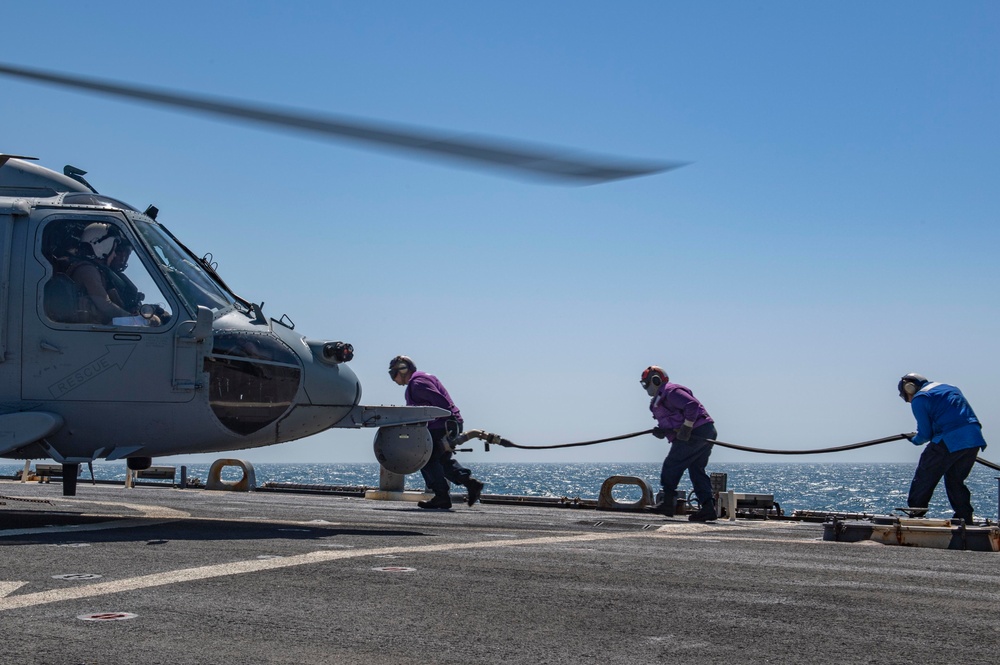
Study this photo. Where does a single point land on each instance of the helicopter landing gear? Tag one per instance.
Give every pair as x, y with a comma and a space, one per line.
70, 474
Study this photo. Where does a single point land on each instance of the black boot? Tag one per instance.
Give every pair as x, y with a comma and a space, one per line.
665, 508
704, 514
438, 502
475, 489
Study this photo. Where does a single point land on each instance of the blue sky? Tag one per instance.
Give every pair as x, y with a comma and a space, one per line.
837, 226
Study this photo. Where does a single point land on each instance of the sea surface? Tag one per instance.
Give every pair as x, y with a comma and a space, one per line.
842, 487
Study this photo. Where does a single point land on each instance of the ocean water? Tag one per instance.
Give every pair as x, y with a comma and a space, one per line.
869, 488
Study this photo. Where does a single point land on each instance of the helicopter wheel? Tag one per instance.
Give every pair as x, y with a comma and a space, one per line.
139, 463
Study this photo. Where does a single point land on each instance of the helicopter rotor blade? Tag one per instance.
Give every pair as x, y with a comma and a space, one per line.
527, 160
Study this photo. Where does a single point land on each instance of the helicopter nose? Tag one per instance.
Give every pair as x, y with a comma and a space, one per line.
330, 353
328, 381
337, 352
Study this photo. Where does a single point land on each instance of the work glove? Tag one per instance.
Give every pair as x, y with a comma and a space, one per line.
453, 427
659, 432
909, 436
684, 433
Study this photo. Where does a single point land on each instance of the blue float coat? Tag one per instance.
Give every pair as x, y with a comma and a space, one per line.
943, 414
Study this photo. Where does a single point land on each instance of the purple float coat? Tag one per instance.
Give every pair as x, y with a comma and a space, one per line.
425, 389
673, 404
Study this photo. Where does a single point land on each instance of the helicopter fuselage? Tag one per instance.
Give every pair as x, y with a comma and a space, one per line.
117, 342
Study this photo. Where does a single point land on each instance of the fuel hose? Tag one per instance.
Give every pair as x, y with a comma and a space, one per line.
498, 440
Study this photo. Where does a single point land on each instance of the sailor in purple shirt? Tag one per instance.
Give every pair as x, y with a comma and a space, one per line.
683, 421
423, 389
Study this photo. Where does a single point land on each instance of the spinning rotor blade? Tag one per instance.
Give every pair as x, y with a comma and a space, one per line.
528, 160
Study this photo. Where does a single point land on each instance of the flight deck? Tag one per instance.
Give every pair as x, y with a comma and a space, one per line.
159, 575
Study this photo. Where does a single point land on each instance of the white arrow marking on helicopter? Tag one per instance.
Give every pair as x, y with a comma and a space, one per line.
260, 565
117, 356
7, 588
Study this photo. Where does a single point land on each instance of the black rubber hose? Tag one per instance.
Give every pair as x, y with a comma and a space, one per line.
510, 444
506, 443
837, 449
987, 463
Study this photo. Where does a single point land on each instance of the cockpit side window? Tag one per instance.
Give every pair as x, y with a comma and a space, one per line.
95, 278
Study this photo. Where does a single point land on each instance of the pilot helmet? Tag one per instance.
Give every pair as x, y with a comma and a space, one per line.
910, 385
101, 237
652, 378
399, 364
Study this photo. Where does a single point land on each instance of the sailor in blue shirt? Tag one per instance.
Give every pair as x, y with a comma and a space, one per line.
954, 437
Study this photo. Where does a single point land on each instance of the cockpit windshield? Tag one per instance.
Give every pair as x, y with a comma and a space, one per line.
191, 282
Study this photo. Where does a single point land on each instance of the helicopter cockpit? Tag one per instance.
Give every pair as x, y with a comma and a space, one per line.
95, 280
91, 259
126, 270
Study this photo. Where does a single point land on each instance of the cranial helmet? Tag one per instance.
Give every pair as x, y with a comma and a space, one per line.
910, 384
652, 378
102, 239
400, 364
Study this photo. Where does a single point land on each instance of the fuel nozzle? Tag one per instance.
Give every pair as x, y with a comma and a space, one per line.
487, 438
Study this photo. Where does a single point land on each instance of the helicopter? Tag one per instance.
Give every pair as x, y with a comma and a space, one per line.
118, 342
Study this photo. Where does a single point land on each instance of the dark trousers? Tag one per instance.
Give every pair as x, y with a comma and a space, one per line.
691, 456
937, 462
442, 467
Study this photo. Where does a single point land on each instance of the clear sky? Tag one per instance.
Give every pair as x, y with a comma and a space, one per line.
837, 227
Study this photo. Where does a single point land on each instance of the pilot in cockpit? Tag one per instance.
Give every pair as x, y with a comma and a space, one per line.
129, 294
113, 297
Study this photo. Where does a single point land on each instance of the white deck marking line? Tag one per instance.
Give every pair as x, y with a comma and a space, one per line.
7, 588
261, 565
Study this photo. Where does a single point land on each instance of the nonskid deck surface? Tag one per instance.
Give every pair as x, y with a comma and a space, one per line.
188, 576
